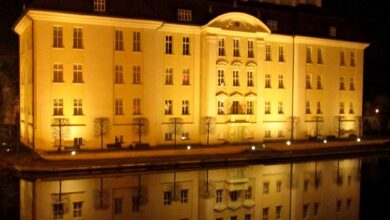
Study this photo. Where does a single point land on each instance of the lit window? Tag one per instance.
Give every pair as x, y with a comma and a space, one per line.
342, 85
58, 107
221, 47
249, 107
77, 38
221, 77
267, 109
236, 78
280, 108
341, 111
221, 108
320, 56
185, 107
169, 76
250, 79
351, 111
136, 106
57, 37
118, 74
58, 73
184, 196
305, 212
219, 196
309, 55
332, 31
136, 41
280, 84
267, 80
185, 136
265, 187
268, 53
77, 73
186, 77
272, 25
352, 58
233, 196
168, 107
278, 212
265, 213
319, 82
136, 203
338, 205
118, 206
99, 5
251, 54
58, 211
342, 58
77, 209
118, 107
267, 133
118, 40
319, 111
236, 47
307, 109
167, 198
186, 46
351, 84
281, 54
168, 44
316, 210
136, 74
278, 186
236, 107
184, 15
308, 81
77, 107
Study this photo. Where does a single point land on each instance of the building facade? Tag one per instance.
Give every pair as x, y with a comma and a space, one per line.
96, 75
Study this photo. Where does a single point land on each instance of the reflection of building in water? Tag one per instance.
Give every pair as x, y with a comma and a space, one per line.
317, 190
100, 74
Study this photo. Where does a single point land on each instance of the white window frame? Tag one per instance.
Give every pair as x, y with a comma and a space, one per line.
136, 41
119, 45
77, 38
78, 73
99, 5
118, 107
77, 107
58, 37
58, 72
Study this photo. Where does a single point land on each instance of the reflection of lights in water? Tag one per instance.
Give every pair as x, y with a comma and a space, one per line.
325, 141
288, 143
253, 147
73, 152
188, 147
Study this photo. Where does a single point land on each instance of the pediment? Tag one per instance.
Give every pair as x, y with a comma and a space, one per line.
238, 21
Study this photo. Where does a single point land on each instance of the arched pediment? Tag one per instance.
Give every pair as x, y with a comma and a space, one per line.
236, 94
238, 21
222, 62
236, 63
221, 94
251, 64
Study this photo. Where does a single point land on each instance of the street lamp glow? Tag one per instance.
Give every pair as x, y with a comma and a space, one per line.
73, 152
325, 141
253, 147
377, 110
188, 147
358, 140
288, 143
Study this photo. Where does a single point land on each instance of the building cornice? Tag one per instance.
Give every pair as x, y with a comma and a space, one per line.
330, 42
22, 24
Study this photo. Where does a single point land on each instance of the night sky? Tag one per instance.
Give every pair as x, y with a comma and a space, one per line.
370, 17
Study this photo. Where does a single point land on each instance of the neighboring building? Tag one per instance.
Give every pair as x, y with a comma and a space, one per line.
319, 190
105, 73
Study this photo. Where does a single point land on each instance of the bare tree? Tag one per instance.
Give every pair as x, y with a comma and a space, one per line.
140, 127
292, 122
208, 127
176, 123
102, 126
340, 119
60, 130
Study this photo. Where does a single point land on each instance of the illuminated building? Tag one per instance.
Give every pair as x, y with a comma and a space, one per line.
95, 74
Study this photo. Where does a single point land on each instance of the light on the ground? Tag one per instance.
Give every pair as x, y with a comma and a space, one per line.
288, 143
325, 141
188, 147
253, 147
73, 152
358, 139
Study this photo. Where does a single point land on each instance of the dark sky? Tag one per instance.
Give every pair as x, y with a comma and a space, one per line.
370, 17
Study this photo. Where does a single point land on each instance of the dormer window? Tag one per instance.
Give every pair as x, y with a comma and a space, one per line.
332, 31
184, 15
99, 5
272, 25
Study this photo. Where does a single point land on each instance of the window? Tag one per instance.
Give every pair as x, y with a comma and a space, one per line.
268, 53
308, 55
349, 178
342, 58
319, 111
77, 107
278, 212
136, 41
352, 58
184, 15
265, 187
118, 40
267, 80
119, 74
265, 213
219, 219
221, 77
168, 137
305, 212
272, 25
338, 205
221, 47
267, 133
280, 108
185, 107
342, 85
58, 211
233, 196
248, 217
280, 134
168, 107
136, 106
77, 209
136, 203
236, 78
267, 109
316, 210
349, 204
307, 109
251, 54
236, 47
77, 73
236, 108
99, 5
58, 107
136, 75
351, 111
167, 197
305, 185
319, 82
341, 111
186, 77
168, 76
221, 109
57, 37
233, 218
249, 107
186, 46
184, 196
332, 31
351, 84
278, 186
119, 139
219, 196
118, 206
58, 73
280, 84
320, 56
77, 38
281, 54
248, 193
250, 79
308, 81
78, 141
118, 107
168, 44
